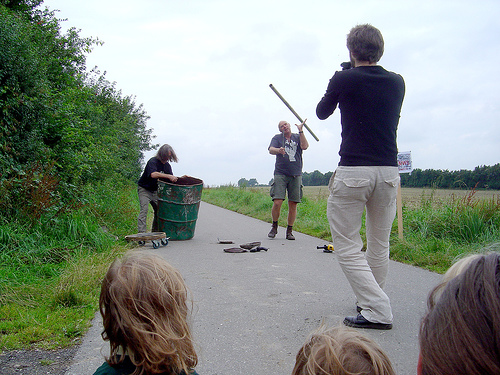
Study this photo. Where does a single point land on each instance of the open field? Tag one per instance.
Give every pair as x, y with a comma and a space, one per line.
410, 196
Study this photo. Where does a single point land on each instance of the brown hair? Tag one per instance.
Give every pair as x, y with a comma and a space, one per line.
365, 43
341, 351
144, 310
461, 332
166, 153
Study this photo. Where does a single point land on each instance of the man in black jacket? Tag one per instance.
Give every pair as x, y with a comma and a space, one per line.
370, 100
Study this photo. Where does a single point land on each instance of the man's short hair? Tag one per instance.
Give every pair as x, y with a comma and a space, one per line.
282, 122
365, 43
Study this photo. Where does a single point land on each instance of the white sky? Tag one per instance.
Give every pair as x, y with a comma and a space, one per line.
202, 70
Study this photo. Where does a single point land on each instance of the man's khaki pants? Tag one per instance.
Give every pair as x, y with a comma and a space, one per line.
352, 189
147, 197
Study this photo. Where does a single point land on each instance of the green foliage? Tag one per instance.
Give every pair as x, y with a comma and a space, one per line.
50, 271
257, 203
71, 147
243, 182
247, 201
312, 219
462, 220
437, 232
316, 178
24, 8
483, 177
36, 66
54, 114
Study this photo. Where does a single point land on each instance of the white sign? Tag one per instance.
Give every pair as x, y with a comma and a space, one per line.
404, 162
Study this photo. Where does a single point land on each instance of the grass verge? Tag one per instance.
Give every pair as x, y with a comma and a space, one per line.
50, 271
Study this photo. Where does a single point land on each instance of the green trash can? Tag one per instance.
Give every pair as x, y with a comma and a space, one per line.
178, 204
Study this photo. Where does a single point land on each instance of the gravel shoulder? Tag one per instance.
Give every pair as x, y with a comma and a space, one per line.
37, 361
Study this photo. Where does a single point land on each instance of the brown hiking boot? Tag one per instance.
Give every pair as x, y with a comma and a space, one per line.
289, 235
274, 230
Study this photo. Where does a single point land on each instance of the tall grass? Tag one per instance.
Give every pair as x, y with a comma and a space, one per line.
50, 269
256, 202
436, 231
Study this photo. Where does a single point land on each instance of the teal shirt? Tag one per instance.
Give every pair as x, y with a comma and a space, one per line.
125, 368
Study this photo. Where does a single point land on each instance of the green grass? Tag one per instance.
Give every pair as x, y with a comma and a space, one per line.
255, 202
50, 270
438, 228
438, 232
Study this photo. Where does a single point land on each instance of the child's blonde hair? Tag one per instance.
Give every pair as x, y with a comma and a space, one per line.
456, 269
341, 351
143, 303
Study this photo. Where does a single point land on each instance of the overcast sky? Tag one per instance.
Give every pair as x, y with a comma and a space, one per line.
202, 70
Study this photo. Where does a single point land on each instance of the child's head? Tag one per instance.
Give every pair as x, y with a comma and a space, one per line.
461, 332
341, 351
456, 269
143, 303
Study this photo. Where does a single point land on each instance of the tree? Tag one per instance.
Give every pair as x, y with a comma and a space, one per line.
252, 182
36, 66
57, 122
25, 8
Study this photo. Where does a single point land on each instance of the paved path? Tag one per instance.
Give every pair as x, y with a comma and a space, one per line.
253, 311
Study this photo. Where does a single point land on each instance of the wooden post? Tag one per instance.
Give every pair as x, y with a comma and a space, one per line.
399, 202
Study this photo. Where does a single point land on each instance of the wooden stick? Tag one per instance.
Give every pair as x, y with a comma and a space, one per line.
399, 202
293, 111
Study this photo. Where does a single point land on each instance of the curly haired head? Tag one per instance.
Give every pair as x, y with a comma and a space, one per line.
143, 303
341, 351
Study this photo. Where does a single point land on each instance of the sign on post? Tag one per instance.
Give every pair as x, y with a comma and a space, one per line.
404, 162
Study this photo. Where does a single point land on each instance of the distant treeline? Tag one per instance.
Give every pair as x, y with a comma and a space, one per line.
483, 177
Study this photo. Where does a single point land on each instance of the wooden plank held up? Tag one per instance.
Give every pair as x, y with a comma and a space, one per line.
293, 111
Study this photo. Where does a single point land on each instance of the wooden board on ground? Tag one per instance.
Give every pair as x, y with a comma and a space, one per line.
157, 238
146, 236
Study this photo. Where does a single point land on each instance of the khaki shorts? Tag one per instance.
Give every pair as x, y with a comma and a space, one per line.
282, 184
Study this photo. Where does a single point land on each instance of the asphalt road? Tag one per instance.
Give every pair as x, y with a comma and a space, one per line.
253, 311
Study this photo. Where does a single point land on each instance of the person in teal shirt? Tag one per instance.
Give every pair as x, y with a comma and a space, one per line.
144, 309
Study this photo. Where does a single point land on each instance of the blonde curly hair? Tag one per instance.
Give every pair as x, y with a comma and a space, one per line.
341, 351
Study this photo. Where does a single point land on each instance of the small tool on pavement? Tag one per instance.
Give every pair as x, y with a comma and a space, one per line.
326, 248
258, 248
